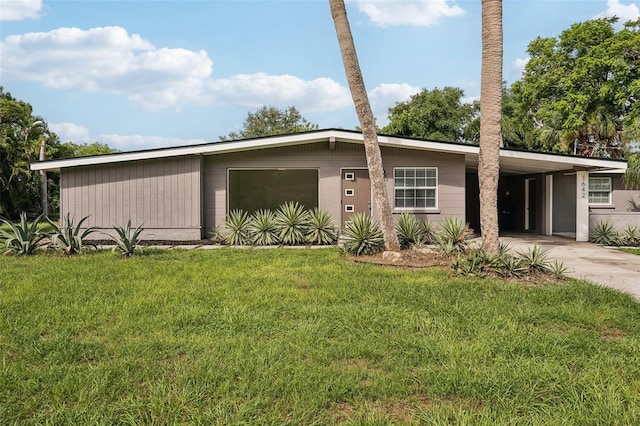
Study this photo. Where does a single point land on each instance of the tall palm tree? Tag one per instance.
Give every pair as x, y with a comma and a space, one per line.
490, 118
367, 123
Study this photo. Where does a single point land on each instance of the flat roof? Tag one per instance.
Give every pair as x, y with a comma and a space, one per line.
511, 160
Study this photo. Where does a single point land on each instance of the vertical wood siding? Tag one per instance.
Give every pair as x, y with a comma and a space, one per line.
162, 194
451, 174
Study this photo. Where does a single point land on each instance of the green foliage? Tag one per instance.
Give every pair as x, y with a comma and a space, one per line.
362, 235
293, 223
127, 241
536, 259
410, 230
438, 114
70, 149
474, 263
605, 233
557, 269
453, 233
263, 229
69, 237
631, 177
268, 121
428, 231
631, 236
321, 228
580, 89
237, 228
21, 238
510, 267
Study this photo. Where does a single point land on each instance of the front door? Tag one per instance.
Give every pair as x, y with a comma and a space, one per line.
356, 193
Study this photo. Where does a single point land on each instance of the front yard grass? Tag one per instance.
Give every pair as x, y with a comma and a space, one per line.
631, 250
248, 336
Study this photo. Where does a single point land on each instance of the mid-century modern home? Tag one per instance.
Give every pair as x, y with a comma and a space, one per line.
181, 193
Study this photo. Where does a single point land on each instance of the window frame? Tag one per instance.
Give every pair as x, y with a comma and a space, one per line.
434, 188
589, 191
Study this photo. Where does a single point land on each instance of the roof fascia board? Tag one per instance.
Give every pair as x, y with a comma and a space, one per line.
573, 161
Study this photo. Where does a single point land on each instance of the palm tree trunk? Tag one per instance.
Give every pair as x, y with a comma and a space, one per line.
490, 118
367, 123
43, 179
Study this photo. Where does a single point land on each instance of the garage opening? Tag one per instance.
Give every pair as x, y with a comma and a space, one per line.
256, 189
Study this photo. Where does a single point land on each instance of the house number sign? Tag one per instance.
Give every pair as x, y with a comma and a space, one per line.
583, 187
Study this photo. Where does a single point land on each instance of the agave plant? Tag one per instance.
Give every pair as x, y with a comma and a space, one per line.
69, 237
536, 259
605, 233
409, 229
321, 228
428, 232
510, 266
127, 243
362, 235
237, 228
263, 230
454, 232
631, 236
22, 238
293, 222
557, 269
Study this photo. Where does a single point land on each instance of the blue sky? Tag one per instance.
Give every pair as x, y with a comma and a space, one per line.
144, 74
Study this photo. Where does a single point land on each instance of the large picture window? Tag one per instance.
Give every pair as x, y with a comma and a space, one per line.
599, 190
252, 190
415, 187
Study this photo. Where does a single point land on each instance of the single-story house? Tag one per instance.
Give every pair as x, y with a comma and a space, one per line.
182, 193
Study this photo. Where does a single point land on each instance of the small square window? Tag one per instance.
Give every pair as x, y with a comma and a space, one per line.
349, 176
349, 192
349, 208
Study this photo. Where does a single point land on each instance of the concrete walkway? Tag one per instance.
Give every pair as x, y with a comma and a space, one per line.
601, 265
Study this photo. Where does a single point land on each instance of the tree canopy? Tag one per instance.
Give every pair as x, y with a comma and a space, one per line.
580, 89
268, 121
437, 114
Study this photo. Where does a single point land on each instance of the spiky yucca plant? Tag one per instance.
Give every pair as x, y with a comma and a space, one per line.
409, 229
362, 235
321, 228
428, 232
605, 233
293, 222
127, 243
263, 230
22, 238
454, 232
631, 236
237, 228
69, 237
536, 259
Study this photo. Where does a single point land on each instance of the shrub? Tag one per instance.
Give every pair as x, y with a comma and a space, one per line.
262, 228
321, 228
428, 232
557, 269
237, 228
510, 267
69, 237
631, 236
606, 234
535, 259
362, 235
475, 263
409, 229
127, 243
22, 238
293, 222
455, 233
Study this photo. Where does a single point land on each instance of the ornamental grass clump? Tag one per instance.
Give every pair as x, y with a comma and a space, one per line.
263, 229
127, 240
362, 235
321, 228
69, 237
293, 223
237, 228
21, 238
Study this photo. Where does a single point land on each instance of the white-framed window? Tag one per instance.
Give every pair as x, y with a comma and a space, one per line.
415, 187
599, 190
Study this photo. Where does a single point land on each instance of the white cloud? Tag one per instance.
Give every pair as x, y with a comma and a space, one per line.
108, 59
386, 96
17, 10
71, 132
137, 142
517, 67
401, 12
626, 12
470, 99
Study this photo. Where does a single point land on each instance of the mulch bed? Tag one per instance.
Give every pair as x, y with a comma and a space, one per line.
410, 258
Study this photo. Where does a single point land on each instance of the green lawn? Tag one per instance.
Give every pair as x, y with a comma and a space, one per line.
252, 336
631, 250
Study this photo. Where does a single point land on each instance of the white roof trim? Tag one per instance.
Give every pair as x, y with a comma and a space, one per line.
319, 136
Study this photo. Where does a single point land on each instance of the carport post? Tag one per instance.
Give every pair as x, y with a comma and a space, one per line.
582, 206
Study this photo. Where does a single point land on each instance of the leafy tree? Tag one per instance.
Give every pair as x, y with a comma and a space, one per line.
367, 122
490, 122
437, 114
580, 90
270, 120
70, 149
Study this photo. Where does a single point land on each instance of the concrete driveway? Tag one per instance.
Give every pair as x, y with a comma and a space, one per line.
601, 265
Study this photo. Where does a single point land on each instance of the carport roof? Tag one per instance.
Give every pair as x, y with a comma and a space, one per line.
511, 161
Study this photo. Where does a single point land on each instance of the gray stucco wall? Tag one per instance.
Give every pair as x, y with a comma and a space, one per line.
164, 195
329, 162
